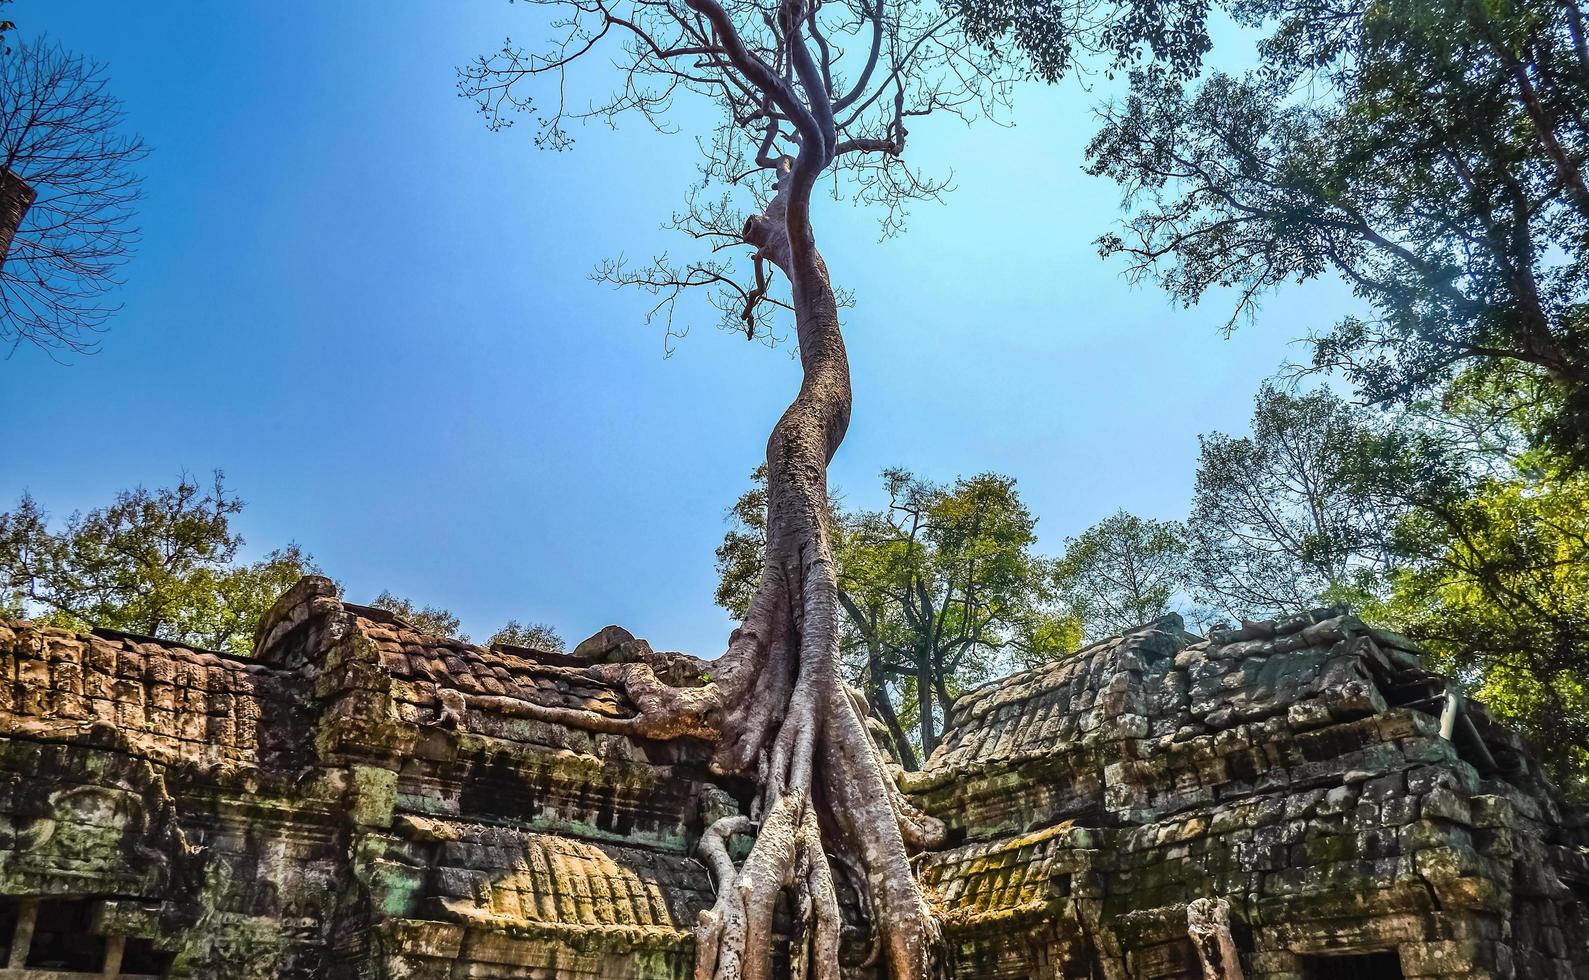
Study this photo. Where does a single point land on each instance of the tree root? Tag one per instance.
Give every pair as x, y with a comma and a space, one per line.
664, 712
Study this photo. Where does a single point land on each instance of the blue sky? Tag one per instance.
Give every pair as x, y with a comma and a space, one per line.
377, 318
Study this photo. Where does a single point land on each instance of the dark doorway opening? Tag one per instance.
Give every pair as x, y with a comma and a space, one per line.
1360, 966
8, 927
140, 958
61, 940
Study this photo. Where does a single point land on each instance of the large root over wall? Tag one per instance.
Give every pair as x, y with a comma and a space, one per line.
777, 708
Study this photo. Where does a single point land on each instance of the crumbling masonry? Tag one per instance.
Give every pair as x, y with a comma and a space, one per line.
360, 801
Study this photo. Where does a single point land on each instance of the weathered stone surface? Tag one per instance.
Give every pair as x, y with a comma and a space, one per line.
1293, 773
358, 801
339, 806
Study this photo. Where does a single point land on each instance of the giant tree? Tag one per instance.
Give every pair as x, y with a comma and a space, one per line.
803, 90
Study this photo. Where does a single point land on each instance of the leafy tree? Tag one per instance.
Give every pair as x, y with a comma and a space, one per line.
1278, 524
67, 188
1122, 572
536, 636
1441, 518
159, 563
1496, 585
1489, 555
433, 620
940, 590
1429, 152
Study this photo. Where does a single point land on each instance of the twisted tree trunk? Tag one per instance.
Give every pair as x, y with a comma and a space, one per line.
787, 714
778, 709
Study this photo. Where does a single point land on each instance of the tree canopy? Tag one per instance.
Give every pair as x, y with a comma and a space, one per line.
1122, 572
160, 563
1276, 527
1444, 519
1431, 154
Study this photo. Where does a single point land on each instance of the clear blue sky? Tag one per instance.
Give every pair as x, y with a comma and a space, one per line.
376, 317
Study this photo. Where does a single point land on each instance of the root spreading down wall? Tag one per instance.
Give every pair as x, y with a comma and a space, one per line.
358, 800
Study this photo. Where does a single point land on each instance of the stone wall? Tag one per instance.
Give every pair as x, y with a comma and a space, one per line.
340, 806
359, 800
1295, 770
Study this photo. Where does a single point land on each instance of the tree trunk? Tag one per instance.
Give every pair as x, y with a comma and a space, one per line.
875, 687
924, 701
15, 199
787, 715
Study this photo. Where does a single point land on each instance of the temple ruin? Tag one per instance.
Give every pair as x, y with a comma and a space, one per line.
357, 800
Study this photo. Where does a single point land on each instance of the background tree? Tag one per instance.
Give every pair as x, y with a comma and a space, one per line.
940, 591
1122, 572
159, 563
1430, 153
67, 190
440, 621
1277, 526
1489, 555
1443, 518
536, 636
433, 620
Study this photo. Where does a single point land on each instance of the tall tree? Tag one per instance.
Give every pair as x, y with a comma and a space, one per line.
1122, 572
67, 190
160, 563
1429, 152
1277, 524
806, 90
1489, 556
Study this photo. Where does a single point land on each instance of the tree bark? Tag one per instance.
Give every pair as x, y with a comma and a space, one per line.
924, 700
15, 199
786, 713
1208, 923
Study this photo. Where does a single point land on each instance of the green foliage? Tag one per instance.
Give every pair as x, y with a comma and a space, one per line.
160, 563
941, 591
1497, 586
432, 620
1429, 153
1122, 572
739, 556
536, 636
1442, 519
1277, 525
1051, 35
1489, 558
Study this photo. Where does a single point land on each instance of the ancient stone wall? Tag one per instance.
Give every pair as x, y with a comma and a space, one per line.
358, 800
341, 805
1297, 771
